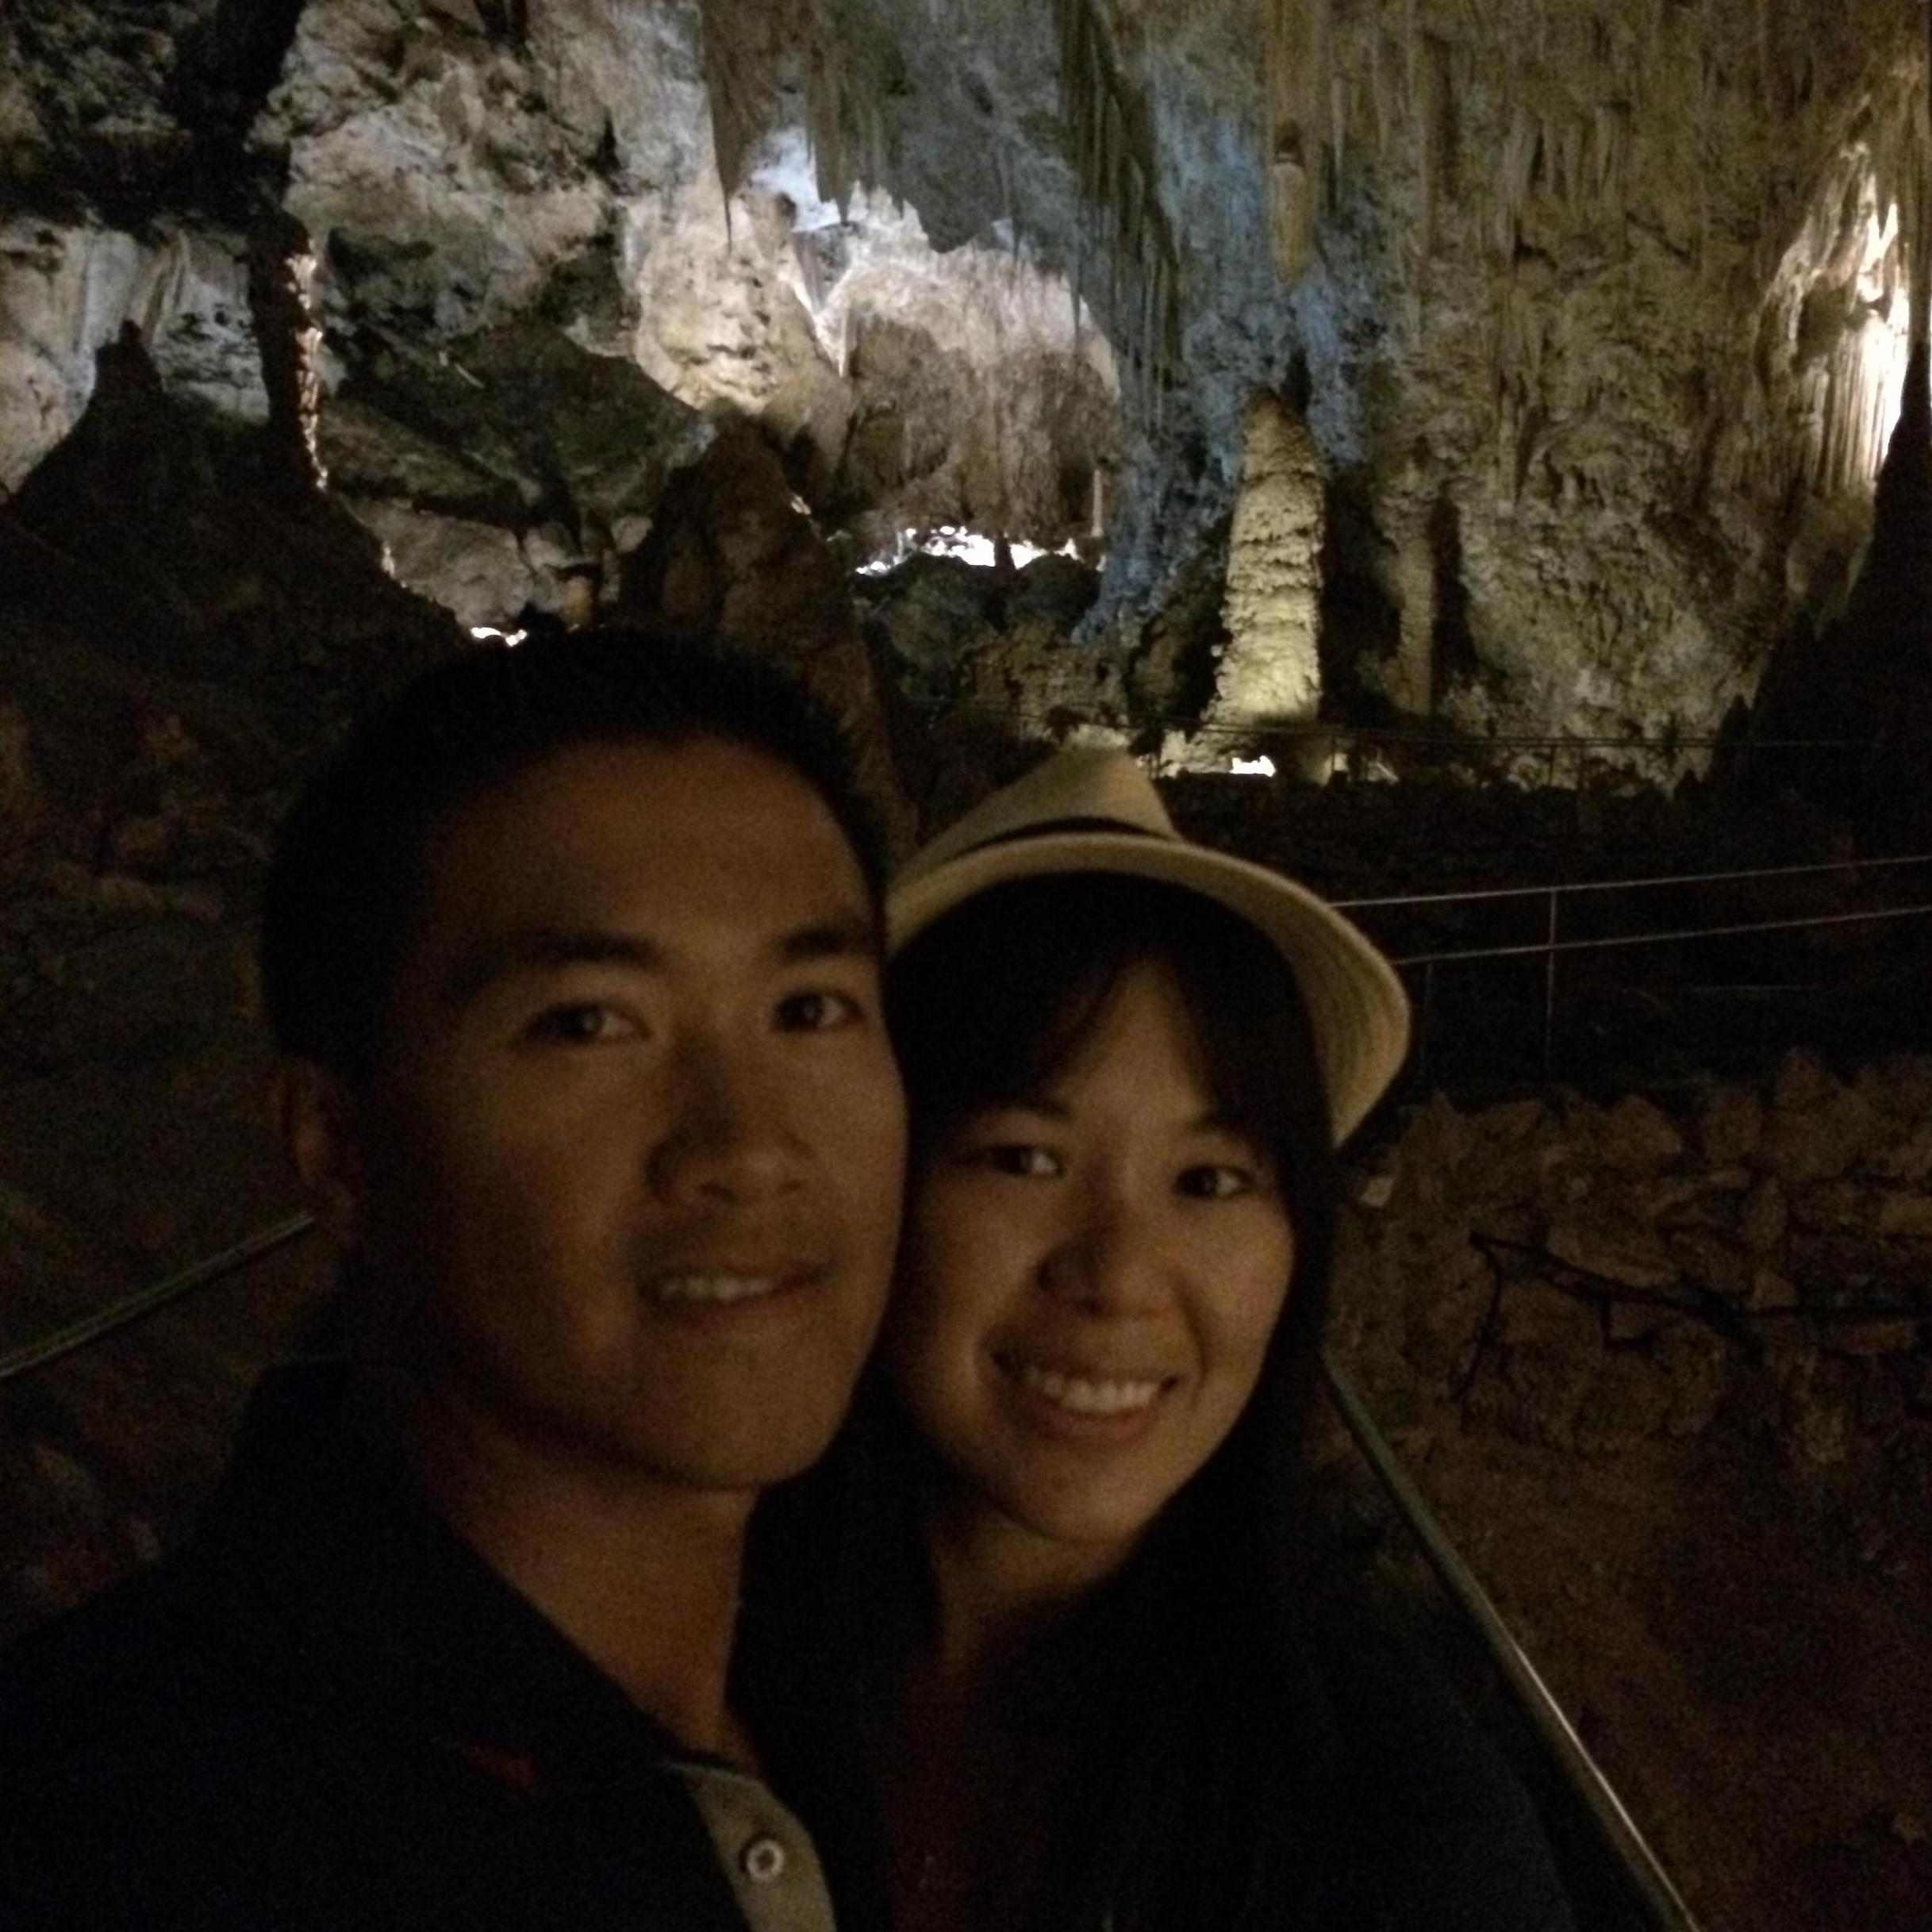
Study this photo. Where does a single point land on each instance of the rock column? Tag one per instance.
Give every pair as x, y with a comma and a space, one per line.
1270, 673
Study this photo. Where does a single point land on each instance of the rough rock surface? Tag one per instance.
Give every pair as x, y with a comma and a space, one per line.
454, 180
1657, 1364
66, 292
1270, 670
510, 468
1602, 315
734, 557
1627, 286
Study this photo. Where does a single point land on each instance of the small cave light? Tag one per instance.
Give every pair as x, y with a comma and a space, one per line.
509, 639
1262, 767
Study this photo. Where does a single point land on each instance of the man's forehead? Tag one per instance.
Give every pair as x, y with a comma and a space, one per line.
651, 843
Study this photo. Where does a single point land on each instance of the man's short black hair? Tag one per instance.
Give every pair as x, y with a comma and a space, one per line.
345, 887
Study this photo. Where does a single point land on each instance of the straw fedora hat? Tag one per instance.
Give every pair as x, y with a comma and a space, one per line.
1093, 810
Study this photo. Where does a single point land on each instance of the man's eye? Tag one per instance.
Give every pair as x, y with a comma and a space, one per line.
1214, 1181
820, 1011
581, 1023
1021, 1158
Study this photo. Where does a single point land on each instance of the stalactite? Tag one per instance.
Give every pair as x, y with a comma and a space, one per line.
1571, 145
1915, 204
1114, 166
743, 41
1298, 45
825, 119
1383, 110
1612, 131
1515, 171
1424, 92
1656, 22
281, 285
737, 68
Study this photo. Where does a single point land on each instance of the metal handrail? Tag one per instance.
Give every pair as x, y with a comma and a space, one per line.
1552, 946
1638, 885
1549, 947
1661, 1900
132, 1308
1312, 728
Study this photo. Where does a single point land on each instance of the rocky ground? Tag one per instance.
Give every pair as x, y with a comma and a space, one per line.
1665, 1371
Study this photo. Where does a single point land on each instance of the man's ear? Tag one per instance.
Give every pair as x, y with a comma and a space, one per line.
315, 1116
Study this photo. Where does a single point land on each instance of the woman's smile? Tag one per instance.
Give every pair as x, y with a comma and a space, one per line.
1083, 1394
1092, 1275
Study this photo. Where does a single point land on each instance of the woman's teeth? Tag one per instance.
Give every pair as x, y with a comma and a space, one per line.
1080, 1396
714, 1287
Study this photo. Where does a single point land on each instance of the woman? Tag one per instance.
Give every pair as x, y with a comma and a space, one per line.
1091, 1687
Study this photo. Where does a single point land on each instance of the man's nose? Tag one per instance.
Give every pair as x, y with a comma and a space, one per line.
730, 1137
1110, 1258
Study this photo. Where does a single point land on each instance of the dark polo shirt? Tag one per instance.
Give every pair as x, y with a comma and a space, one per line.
326, 1713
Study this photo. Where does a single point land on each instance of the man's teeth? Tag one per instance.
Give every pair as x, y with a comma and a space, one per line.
1083, 1397
714, 1287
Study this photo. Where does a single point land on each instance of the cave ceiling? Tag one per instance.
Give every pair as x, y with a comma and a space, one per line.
1594, 312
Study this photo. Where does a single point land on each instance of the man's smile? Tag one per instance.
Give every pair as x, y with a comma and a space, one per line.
726, 1285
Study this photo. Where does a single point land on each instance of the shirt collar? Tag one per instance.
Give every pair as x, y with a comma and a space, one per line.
392, 1606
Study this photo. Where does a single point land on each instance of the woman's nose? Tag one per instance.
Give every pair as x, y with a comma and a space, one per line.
1108, 1259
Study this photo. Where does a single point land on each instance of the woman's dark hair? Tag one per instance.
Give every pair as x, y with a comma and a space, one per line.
1201, 1748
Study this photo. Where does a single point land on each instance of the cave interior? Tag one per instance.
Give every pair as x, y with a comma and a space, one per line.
1463, 446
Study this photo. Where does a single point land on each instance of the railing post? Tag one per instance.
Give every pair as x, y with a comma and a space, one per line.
1549, 978
1428, 1020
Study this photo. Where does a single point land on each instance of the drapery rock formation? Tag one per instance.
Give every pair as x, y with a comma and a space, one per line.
1603, 309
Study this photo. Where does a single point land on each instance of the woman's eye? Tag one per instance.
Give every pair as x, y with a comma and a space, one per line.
1215, 1181
820, 1011
581, 1023
1021, 1158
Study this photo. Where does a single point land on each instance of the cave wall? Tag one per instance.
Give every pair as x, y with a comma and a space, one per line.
1628, 288
1599, 311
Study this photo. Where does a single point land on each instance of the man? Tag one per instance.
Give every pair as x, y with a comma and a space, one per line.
573, 960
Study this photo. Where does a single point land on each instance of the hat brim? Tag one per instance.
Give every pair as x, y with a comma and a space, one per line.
1357, 1009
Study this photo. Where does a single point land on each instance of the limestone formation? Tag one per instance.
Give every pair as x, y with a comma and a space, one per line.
1603, 309
1271, 668
1622, 1265
67, 290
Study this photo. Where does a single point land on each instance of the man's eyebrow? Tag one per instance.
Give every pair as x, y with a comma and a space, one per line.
538, 949
544, 948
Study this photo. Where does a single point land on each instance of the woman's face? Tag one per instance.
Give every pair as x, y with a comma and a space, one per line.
1089, 1281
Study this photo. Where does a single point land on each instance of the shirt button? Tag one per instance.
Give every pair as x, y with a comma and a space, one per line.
763, 1860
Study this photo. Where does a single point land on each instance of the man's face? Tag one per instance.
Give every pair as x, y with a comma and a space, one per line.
630, 1168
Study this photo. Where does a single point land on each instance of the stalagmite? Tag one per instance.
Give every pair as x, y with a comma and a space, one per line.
1270, 672
1409, 683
